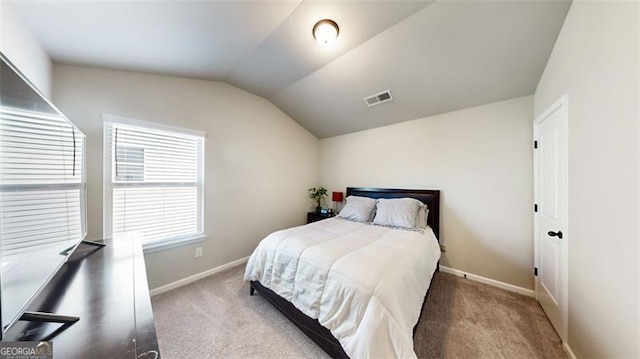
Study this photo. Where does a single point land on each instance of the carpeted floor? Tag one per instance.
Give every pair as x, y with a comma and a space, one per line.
216, 318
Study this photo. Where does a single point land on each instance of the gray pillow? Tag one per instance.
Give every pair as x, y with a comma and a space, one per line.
359, 209
397, 212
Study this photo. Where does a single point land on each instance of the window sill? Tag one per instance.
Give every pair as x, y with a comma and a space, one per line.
157, 246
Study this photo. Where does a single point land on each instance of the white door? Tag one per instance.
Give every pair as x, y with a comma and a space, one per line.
550, 213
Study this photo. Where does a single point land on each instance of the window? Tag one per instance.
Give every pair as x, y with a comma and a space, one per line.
153, 182
42, 197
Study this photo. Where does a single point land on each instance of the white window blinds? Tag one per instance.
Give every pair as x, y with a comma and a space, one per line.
41, 181
153, 183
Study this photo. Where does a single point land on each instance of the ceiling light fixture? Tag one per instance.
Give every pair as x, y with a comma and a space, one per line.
325, 31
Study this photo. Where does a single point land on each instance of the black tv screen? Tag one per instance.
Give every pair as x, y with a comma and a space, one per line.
42, 192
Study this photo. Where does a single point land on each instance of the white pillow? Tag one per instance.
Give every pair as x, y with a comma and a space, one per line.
358, 209
397, 212
423, 215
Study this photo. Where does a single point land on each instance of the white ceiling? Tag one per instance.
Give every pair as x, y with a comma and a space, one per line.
435, 57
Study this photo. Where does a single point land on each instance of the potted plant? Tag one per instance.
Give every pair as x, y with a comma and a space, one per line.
317, 194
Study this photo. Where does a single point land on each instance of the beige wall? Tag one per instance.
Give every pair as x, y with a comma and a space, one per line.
19, 45
481, 159
595, 62
259, 163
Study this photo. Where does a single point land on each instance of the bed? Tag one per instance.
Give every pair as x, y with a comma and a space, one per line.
354, 288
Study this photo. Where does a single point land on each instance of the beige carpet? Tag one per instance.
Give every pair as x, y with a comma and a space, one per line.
216, 318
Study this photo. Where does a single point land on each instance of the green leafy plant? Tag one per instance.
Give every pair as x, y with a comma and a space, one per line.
317, 194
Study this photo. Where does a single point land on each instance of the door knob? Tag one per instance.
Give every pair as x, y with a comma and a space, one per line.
555, 234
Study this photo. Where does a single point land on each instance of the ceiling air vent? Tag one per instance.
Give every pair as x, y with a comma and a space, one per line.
382, 97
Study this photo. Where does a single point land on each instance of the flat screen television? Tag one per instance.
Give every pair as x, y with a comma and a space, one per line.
42, 192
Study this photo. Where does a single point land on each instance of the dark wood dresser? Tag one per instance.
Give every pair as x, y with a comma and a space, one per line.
107, 288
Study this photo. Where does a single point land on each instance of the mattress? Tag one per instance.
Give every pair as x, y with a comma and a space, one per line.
365, 283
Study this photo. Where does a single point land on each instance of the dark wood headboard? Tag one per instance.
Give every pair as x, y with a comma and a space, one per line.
427, 196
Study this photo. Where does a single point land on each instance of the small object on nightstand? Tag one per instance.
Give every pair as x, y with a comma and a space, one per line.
337, 197
315, 216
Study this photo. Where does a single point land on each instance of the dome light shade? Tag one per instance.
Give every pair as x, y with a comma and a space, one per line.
325, 31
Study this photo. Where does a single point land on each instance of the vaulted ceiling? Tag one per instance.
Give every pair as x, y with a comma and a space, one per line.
434, 56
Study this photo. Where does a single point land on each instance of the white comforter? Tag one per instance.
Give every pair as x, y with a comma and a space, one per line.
365, 283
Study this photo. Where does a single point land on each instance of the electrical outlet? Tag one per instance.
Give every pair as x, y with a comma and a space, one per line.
443, 248
198, 252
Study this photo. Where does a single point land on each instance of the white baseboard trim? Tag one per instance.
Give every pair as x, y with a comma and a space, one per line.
184, 281
568, 350
491, 282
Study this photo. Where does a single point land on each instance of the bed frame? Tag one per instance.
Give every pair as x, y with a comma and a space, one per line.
311, 327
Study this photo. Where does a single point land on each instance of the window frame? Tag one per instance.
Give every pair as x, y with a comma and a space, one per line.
149, 246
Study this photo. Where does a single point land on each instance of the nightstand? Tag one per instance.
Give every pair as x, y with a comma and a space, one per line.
315, 216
